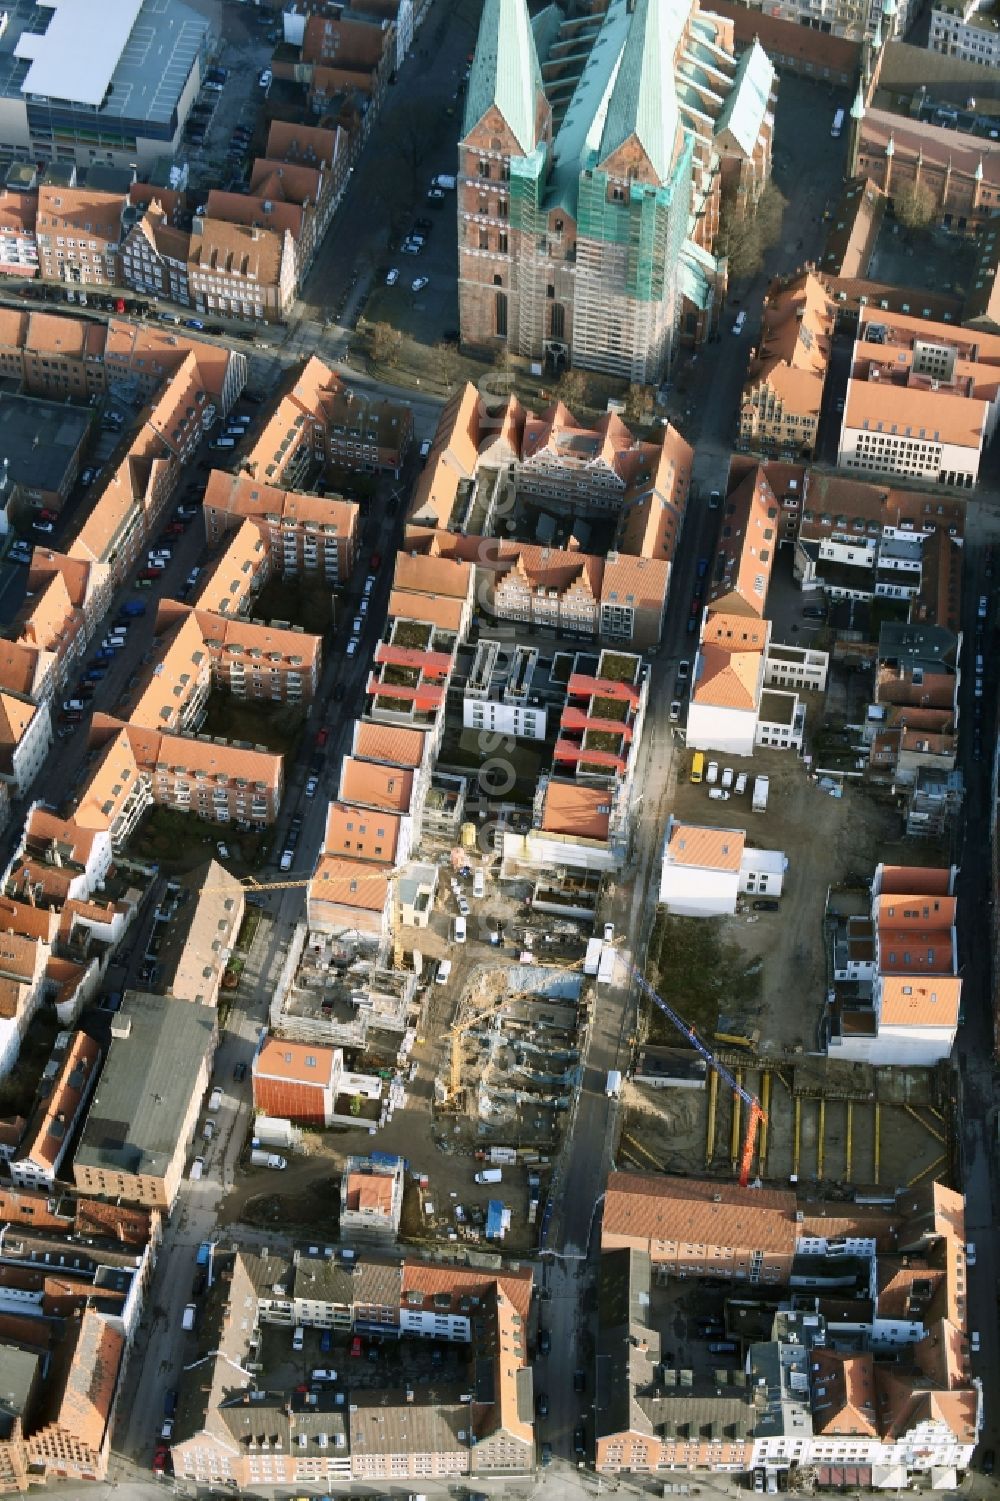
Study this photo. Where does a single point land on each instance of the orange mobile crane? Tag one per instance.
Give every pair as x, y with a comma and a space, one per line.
757, 1114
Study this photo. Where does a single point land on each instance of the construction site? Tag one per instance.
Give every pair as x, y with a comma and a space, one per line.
845, 1126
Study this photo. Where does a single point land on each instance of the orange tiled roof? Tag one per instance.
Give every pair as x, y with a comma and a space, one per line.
710, 849
843, 1393
369, 1193
935, 416
80, 211
742, 569
289, 1061
699, 1213
361, 833
370, 784
912, 1001
349, 883
905, 880
576, 811
461, 1283
395, 745
728, 679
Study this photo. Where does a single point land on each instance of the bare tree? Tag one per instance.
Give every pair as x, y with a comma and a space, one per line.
384, 343
638, 403
446, 363
744, 237
572, 389
408, 140
914, 206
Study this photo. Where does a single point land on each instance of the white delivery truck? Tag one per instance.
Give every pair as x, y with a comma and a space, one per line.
613, 1088
268, 1159
761, 787
215, 1099
490, 1175
187, 1321
592, 959
606, 968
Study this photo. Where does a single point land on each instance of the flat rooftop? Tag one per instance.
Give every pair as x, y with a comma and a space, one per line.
74, 58
39, 438
126, 59
143, 1093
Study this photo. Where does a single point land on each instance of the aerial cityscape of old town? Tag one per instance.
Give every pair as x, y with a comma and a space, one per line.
450, 451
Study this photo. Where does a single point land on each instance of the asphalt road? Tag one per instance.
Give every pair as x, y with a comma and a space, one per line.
352, 255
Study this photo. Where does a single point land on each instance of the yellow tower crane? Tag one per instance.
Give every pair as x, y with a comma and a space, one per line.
457, 1031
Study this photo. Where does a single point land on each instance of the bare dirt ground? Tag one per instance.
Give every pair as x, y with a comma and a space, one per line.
903, 1109
828, 841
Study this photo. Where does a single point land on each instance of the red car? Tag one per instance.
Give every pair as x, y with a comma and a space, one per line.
322, 736
376, 559
151, 573
161, 1460
46, 515
175, 529
356, 1347
120, 305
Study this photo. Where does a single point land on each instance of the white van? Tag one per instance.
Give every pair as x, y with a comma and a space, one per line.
443, 974
197, 1168
479, 883
712, 774
458, 932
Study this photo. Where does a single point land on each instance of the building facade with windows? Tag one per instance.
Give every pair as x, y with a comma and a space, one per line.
584, 138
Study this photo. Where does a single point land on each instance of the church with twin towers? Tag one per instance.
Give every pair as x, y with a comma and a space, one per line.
597, 149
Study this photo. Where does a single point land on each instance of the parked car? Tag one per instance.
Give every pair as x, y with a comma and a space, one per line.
419, 283
322, 736
718, 794
544, 1342
311, 784
579, 1381
265, 78
767, 906
287, 856
391, 276
42, 526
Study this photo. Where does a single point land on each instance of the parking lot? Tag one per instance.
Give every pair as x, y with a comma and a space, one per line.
827, 841
227, 127
416, 290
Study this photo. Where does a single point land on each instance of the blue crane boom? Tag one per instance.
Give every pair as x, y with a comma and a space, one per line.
756, 1112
